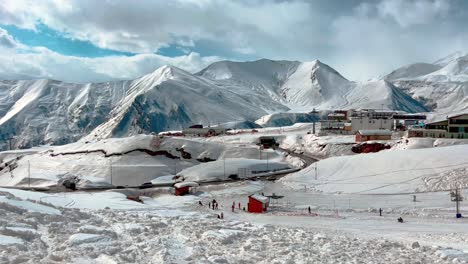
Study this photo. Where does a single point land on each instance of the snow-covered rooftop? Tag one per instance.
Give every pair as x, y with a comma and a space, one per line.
260, 198
185, 184
375, 132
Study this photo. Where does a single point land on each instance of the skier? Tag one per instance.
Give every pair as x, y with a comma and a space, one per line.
239, 206
209, 205
222, 215
400, 220
232, 207
310, 210
216, 206
380, 211
200, 203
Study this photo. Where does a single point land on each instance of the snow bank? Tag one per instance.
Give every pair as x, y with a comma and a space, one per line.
383, 172
110, 146
417, 143
83, 238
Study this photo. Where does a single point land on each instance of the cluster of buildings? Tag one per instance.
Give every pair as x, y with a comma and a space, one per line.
455, 126
201, 131
349, 122
370, 124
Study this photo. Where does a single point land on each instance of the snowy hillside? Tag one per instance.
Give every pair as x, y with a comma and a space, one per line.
412, 71
404, 171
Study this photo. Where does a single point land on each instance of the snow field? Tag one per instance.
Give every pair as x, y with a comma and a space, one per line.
192, 236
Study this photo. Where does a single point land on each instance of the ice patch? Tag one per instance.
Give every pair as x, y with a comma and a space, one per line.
29, 206
8, 240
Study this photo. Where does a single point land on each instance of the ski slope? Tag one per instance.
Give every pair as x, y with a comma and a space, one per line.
387, 172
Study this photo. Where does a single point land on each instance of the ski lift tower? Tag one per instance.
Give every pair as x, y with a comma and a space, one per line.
313, 113
456, 197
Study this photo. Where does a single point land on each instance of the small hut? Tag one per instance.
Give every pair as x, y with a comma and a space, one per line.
258, 203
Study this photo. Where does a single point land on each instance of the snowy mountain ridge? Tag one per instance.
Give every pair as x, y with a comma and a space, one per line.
54, 112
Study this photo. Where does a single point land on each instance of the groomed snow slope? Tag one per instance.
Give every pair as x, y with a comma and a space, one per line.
415, 170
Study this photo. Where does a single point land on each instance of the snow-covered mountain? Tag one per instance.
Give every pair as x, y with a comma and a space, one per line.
302, 86
54, 112
441, 86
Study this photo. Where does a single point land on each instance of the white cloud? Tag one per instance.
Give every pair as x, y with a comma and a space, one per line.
415, 12
378, 37
20, 62
144, 26
6, 40
360, 40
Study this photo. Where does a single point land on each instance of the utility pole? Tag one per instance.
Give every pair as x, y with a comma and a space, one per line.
29, 174
316, 171
314, 112
381, 117
457, 198
110, 168
10, 139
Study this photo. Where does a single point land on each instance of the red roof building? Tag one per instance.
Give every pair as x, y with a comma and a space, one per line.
258, 203
183, 188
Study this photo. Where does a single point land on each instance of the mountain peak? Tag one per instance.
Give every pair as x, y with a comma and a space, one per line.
164, 73
450, 58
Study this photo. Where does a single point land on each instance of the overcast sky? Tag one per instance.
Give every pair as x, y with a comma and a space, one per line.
89, 40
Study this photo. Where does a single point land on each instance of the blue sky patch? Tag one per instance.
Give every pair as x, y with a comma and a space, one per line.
55, 41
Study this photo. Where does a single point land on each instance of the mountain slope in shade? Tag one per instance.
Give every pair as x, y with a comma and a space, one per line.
47, 111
